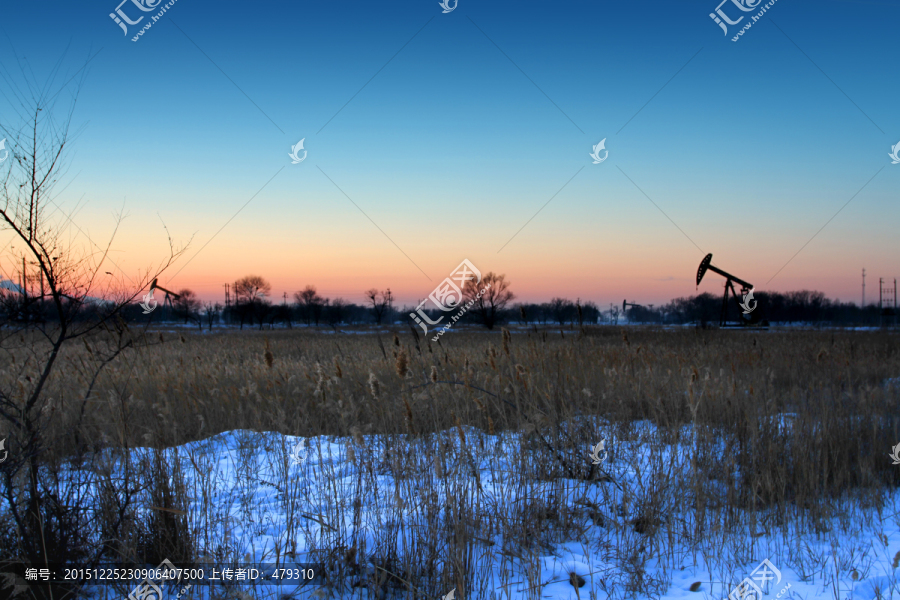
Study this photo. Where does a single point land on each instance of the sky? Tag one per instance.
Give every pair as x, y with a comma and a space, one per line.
433, 137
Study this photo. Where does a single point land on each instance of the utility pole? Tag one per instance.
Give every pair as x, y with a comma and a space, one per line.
864, 289
389, 298
284, 295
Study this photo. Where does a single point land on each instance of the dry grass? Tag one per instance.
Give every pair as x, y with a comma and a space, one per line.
747, 469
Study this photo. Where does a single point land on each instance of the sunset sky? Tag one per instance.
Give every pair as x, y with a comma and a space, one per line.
436, 137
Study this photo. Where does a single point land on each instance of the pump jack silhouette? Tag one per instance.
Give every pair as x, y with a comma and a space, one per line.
753, 317
626, 304
167, 300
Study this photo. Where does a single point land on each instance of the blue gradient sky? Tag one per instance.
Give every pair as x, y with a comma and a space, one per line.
450, 148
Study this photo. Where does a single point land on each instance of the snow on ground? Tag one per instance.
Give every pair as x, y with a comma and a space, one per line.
243, 477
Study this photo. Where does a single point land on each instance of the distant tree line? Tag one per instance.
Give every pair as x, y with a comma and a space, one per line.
790, 307
251, 304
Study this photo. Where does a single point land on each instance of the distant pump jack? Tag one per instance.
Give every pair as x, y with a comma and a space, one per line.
626, 304
167, 300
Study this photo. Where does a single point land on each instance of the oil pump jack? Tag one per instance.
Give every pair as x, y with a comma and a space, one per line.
167, 300
626, 304
751, 317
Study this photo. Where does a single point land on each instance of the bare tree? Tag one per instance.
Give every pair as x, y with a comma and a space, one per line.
380, 301
212, 313
187, 305
243, 310
284, 313
489, 298
336, 311
49, 520
562, 309
262, 309
251, 298
311, 304
250, 288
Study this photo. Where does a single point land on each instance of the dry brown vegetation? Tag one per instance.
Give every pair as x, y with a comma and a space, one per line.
772, 428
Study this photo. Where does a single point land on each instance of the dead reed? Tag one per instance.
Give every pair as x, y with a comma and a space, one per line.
774, 427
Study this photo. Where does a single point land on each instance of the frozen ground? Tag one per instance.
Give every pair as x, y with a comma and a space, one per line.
249, 483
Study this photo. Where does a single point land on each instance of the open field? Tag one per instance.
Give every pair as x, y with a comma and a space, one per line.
465, 464
664, 356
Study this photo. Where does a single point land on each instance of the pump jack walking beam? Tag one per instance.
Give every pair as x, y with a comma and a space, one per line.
626, 304
154, 286
704, 266
166, 300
